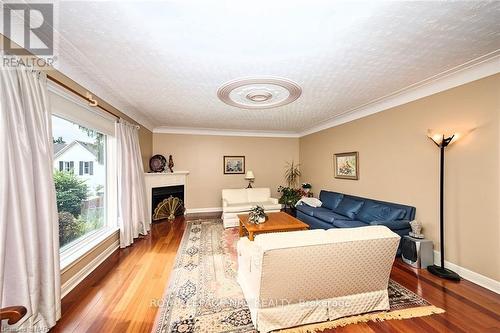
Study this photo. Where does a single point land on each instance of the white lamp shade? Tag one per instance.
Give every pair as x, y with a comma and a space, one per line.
249, 175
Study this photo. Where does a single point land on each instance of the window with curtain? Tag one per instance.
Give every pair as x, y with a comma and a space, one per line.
84, 173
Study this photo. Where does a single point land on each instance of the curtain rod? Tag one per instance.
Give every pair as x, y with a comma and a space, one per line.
53, 79
124, 121
5, 40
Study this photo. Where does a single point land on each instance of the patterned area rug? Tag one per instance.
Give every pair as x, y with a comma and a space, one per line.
203, 295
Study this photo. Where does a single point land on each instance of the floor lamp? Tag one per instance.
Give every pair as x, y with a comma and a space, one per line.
442, 142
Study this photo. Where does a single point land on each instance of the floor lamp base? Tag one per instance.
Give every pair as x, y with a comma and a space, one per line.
444, 273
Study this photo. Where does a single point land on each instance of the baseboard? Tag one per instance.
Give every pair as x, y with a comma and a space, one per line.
467, 274
84, 272
203, 210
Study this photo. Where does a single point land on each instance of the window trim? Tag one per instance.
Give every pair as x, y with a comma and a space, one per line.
77, 249
82, 105
74, 251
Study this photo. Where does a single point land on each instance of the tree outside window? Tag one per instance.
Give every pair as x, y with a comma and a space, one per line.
80, 193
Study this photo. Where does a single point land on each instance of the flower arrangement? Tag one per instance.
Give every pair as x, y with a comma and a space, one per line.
257, 215
306, 187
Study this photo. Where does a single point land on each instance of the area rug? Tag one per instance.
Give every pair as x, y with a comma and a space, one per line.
203, 295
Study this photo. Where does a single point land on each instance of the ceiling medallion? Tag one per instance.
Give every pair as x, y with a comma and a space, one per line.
259, 93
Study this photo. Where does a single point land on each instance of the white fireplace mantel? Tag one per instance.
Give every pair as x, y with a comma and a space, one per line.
161, 179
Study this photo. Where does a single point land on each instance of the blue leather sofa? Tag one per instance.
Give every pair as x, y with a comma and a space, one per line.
346, 211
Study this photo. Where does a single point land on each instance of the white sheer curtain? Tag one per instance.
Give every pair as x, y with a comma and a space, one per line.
29, 238
133, 216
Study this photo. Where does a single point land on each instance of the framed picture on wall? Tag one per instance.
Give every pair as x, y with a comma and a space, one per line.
347, 165
234, 165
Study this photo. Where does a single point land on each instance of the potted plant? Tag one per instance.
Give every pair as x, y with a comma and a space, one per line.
257, 215
289, 196
292, 174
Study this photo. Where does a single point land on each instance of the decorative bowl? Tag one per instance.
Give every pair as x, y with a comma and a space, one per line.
157, 163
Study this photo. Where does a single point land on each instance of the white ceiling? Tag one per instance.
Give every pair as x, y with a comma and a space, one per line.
164, 61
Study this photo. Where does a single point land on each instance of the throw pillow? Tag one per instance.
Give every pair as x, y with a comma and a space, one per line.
348, 207
373, 211
313, 202
330, 199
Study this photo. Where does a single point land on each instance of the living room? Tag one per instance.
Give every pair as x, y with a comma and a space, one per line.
283, 167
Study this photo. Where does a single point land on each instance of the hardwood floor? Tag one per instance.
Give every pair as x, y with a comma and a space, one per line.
119, 295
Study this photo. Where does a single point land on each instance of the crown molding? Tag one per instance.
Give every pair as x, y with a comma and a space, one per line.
224, 132
473, 70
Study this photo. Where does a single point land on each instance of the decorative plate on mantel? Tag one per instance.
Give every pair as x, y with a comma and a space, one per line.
157, 163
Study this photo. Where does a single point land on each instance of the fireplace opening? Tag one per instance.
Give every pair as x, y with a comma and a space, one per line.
161, 193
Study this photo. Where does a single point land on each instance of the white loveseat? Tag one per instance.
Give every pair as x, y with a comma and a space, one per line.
238, 201
302, 277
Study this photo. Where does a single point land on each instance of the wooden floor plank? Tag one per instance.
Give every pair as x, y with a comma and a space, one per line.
118, 295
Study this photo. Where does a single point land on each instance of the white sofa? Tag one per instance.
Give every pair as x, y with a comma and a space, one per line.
302, 277
238, 201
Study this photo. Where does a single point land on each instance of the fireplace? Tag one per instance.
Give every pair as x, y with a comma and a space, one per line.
156, 182
158, 194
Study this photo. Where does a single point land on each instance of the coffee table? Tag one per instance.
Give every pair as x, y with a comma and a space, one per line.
276, 222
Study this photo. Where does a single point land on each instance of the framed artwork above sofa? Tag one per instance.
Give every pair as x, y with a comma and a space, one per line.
346, 165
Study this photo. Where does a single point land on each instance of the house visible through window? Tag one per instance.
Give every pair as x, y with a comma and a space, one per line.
81, 193
67, 166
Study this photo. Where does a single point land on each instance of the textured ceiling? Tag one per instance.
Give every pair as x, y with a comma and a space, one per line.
165, 60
